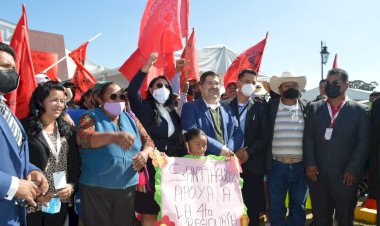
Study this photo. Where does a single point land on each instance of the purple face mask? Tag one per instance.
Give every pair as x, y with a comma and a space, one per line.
114, 108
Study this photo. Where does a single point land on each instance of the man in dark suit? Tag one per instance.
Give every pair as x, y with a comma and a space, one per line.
252, 115
374, 155
20, 181
336, 144
217, 120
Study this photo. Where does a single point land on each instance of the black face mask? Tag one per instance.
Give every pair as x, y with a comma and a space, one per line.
291, 93
8, 80
332, 91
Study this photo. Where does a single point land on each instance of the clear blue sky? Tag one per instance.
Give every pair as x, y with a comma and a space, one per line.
296, 28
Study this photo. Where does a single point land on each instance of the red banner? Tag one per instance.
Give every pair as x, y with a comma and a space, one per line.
160, 29
190, 53
18, 100
42, 60
82, 79
161, 32
250, 58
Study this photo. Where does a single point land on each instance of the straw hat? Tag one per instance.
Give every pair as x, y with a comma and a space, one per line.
286, 76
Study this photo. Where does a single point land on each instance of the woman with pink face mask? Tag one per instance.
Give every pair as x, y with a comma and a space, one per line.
113, 148
158, 115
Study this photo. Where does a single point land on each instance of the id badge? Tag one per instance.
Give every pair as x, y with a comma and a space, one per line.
59, 180
328, 133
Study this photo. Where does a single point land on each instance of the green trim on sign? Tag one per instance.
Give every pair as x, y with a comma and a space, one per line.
157, 179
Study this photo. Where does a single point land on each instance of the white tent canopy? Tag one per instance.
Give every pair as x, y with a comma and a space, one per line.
213, 58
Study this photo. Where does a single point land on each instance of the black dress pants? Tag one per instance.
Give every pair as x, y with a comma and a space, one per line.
253, 196
328, 194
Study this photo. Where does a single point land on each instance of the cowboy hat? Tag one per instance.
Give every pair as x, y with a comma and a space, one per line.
286, 76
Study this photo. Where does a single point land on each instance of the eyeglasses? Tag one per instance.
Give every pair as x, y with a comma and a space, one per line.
160, 85
121, 96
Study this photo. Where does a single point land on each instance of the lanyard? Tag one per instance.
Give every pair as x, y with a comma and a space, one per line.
242, 111
54, 151
336, 114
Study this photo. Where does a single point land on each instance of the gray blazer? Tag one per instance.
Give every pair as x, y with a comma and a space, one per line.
348, 148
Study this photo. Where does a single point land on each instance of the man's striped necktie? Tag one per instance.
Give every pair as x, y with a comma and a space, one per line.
11, 122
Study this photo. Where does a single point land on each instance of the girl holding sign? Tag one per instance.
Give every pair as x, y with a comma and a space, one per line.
196, 142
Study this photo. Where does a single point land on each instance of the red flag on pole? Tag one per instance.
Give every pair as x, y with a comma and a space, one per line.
335, 64
250, 58
160, 29
184, 18
1, 36
160, 32
190, 53
18, 100
82, 79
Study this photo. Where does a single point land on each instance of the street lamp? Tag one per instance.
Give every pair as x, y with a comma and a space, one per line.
324, 56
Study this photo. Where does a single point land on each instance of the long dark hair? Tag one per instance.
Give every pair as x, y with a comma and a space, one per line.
169, 102
33, 124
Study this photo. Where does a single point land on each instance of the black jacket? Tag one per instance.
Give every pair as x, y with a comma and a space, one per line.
146, 114
374, 156
256, 133
347, 150
39, 153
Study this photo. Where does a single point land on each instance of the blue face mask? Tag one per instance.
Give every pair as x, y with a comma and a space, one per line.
54, 206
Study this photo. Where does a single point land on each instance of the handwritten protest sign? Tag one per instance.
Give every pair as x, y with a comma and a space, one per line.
200, 191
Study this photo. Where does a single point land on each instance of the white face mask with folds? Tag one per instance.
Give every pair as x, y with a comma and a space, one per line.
248, 89
161, 95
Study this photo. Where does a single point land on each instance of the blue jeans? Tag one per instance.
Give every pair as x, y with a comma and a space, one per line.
283, 178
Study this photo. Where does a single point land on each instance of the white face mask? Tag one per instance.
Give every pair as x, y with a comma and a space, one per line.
248, 89
161, 95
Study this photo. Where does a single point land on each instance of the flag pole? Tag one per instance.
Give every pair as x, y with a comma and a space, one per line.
63, 58
186, 56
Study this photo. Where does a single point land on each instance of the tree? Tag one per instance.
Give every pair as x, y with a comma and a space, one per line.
359, 84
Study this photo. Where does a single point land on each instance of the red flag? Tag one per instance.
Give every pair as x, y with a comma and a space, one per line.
190, 53
160, 32
250, 58
136, 61
335, 64
184, 18
160, 29
82, 79
18, 100
1, 36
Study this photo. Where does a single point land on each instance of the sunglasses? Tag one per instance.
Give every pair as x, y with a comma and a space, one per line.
160, 85
121, 96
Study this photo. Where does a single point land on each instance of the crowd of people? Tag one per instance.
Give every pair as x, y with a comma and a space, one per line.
98, 149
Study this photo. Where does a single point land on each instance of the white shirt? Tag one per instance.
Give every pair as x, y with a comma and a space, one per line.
212, 106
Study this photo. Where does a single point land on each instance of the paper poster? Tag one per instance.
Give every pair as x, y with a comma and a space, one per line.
200, 191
